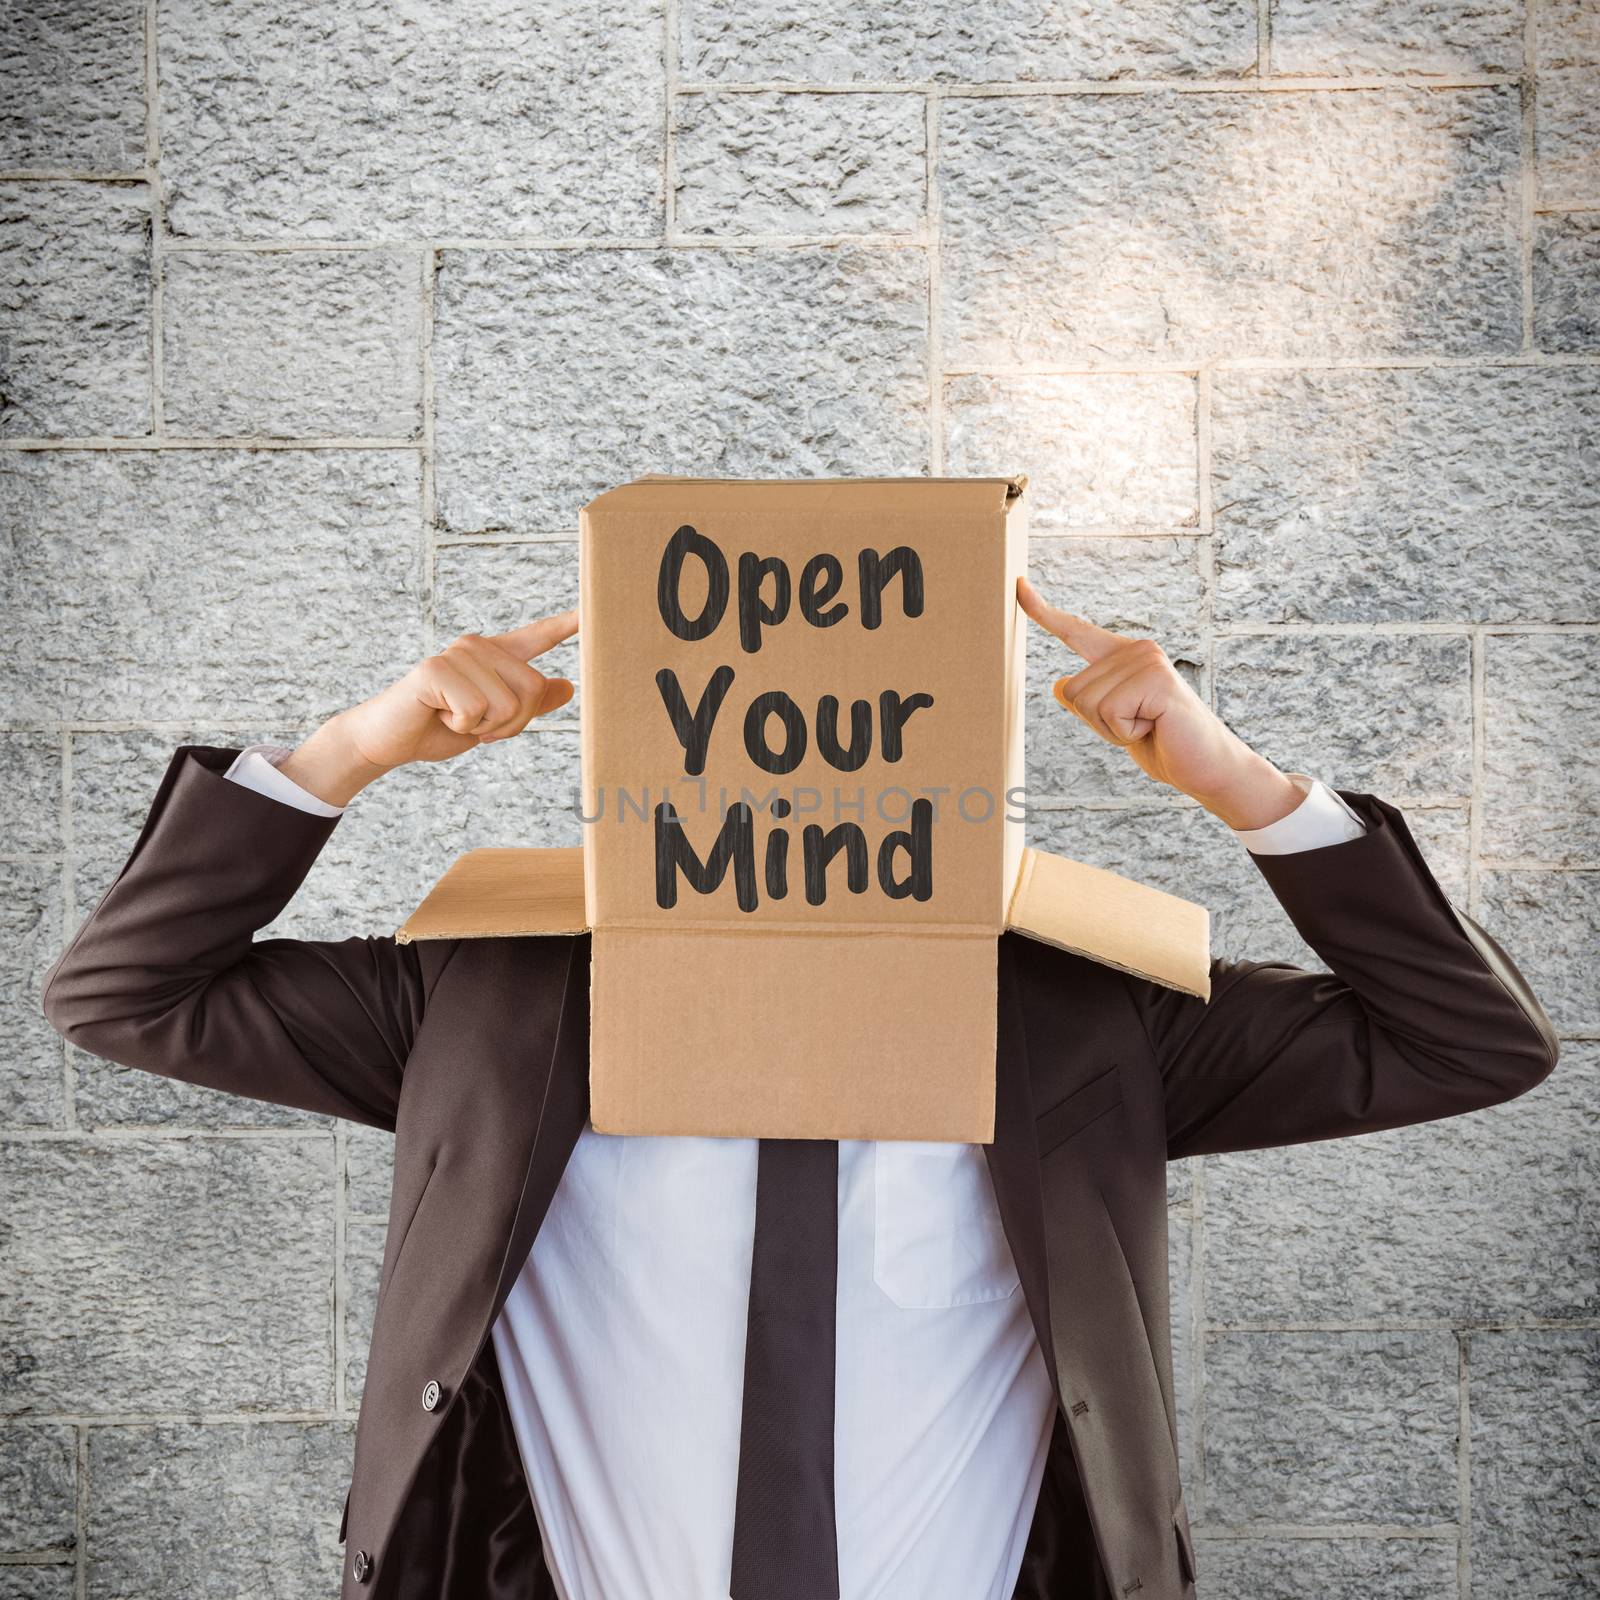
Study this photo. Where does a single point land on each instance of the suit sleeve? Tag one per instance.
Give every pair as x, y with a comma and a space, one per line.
1422, 1014
166, 975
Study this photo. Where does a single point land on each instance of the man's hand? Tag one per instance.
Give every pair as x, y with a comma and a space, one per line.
475, 691
1133, 697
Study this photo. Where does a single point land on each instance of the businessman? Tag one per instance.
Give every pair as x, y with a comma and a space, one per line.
613, 1368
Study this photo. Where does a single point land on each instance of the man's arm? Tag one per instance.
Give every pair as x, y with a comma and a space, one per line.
166, 975
1423, 1015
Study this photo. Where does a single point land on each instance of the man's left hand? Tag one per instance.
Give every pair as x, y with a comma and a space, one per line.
1133, 697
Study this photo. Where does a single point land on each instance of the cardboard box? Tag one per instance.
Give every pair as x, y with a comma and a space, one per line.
802, 770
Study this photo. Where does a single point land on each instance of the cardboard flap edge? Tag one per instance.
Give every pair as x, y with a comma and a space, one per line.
503, 893
530, 891
1013, 484
1113, 920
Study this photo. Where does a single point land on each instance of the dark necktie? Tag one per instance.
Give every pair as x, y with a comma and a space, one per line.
785, 1545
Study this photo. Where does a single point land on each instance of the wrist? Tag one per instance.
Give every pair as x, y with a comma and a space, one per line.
1255, 795
329, 765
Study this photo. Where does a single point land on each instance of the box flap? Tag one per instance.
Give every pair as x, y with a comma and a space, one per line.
1114, 920
503, 893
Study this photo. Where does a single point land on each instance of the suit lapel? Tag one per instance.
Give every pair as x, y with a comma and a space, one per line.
562, 1115
1014, 1156
1106, 1376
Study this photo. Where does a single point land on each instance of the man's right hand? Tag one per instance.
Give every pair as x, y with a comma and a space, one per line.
477, 690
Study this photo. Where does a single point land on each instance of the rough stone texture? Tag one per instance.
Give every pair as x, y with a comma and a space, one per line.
1516, 1182
291, 1475
412, 825
804, 362
1102, 451
801, 164
1566, 283
1330, 1428
37, 1583
1568, 109
1540, 799
1188, 852
107, 1095
30, 779
31, 1086
1389, 713
294, 344
166, 1274
834, 41
1174, 846
369, 1170
1150, 587
38, 1488
1394, 495
419, 820
493, 588
1552, 921
363, 1263
1535, 1462
114, 780
72, 86
1291, 1569
366, 120
318, 549
1182, 226
74, 309
1311, 38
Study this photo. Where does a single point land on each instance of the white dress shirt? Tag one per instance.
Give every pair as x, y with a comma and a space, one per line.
621, 1347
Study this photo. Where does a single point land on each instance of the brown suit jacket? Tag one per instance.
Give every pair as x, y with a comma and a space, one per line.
474, 1052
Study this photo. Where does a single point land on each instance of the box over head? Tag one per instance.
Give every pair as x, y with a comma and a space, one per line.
802, 769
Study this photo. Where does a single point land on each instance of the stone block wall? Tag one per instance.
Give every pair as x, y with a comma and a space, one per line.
319, 323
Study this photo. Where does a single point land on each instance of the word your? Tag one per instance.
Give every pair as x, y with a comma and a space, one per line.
693, 728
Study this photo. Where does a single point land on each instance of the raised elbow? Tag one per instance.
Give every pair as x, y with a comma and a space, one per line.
1526, 1069
1517, 1030
1521, 1056
72, 1006
65, 1011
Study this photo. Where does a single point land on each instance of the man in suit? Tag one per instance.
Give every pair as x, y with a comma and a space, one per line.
623, 1369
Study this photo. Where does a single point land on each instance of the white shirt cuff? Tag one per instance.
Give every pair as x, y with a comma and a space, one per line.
256, 767
1322, 818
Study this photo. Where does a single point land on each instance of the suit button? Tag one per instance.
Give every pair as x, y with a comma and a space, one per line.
361, 1566
430, 1394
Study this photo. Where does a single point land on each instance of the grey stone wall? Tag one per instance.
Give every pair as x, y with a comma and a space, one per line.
320, 322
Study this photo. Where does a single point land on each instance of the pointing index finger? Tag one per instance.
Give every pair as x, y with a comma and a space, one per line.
534, 638
1079, 634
